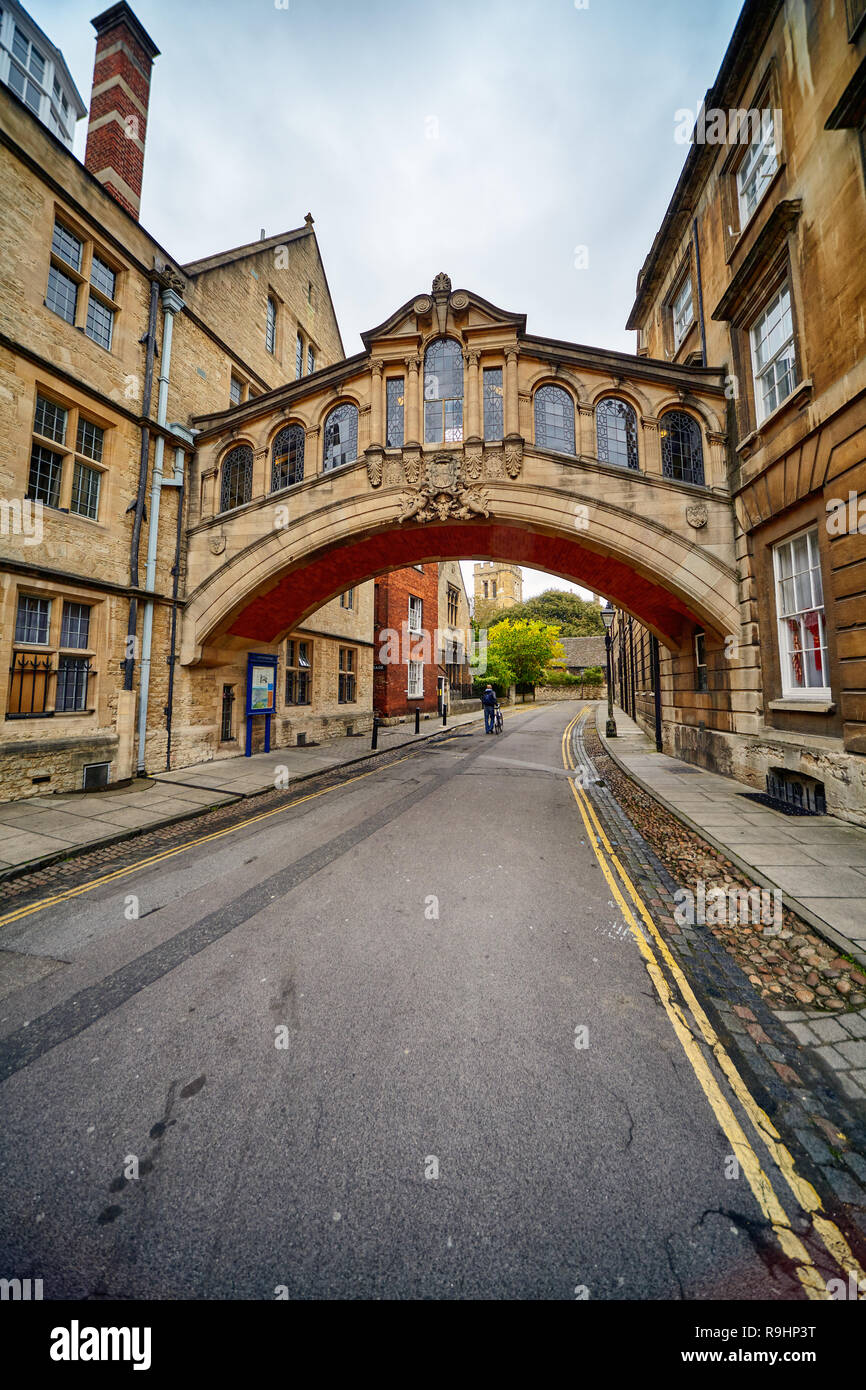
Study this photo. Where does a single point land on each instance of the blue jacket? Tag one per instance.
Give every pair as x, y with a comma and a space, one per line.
488, 698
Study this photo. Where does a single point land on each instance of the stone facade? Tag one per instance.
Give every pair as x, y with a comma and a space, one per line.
75, 404
497, 585
786, 239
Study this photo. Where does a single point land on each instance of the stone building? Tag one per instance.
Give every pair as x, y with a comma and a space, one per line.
108, 351
497, 585
455, 633
36, 71
759, 268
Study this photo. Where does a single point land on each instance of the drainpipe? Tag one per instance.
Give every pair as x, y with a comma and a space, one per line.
657, 689
178, 482
172, 304
700, 292
138, 505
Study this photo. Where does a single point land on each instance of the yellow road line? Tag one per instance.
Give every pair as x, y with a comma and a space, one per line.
762, 1188
30, 908
805, 1194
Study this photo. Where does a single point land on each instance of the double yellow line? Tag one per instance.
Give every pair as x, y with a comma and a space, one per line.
804, 1193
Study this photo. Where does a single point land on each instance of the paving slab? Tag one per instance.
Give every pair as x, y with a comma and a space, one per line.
780, 851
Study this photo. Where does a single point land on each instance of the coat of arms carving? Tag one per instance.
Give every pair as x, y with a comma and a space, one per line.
444, 494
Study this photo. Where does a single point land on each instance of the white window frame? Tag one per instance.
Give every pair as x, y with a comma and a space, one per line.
416, 608
415, 680
768, 371
682, 302
701, 668
798, 614
757, 170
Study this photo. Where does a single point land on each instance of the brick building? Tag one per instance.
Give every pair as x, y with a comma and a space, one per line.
758, 267
407, 675
109, 349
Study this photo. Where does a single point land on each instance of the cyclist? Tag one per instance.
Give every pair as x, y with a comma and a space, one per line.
488, 701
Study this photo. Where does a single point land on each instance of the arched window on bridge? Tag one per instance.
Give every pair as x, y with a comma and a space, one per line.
443, 392
616, 432
341, 437
236, 484
682, 452
288, 460
554, 419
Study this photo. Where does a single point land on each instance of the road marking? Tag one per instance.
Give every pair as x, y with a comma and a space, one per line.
30, 908
832, 1238
763, 1190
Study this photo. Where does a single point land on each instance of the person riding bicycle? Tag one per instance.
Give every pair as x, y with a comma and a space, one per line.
488, 701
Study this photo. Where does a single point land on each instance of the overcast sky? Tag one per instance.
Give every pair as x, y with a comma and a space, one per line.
490, 139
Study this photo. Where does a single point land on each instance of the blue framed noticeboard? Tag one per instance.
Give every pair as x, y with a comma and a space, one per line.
261, 696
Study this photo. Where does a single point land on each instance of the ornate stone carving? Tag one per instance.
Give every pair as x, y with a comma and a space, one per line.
422, 306
217, 543
473, 462
442, 283
513, 458
460, 300
375, 466
697, 515
412, 466
445, 493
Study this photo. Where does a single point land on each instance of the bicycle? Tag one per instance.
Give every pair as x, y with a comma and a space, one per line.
498, 721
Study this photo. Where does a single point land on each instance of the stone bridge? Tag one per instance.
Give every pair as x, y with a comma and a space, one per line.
455, 434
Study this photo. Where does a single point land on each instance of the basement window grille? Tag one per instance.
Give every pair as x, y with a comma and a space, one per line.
96, 776
792, 793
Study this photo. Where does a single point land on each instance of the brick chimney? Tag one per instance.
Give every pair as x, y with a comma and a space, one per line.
118, 105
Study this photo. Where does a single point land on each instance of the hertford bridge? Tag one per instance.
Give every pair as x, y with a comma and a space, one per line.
457, 434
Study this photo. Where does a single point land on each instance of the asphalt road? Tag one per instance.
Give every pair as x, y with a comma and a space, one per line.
312, 1017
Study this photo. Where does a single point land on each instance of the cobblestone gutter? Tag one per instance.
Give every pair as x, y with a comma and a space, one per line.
806, 1069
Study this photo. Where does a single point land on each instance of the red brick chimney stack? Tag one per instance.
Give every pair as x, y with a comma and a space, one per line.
118, 104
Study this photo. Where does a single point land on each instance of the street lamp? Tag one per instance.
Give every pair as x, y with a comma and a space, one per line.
607, 617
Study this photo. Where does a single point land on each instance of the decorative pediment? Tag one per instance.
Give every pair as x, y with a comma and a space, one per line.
442, 310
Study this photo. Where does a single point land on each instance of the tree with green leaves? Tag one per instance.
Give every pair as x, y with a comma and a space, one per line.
523, 650
573, 615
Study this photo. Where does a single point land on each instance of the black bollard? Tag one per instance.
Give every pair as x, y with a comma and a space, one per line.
444, 715
375, 742
417, 720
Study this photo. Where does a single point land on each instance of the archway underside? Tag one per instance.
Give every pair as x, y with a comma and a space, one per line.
301, 589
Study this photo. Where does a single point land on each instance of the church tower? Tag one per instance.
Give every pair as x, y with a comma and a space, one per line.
498, 584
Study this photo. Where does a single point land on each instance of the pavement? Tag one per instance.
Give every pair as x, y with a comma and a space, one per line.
398, 1041
39, 830
818, 863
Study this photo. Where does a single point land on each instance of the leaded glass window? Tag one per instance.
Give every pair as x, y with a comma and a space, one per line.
443, 392
100, 322
62, 294
73, 674
50, 420
616, 432
32, 620
341, 437
89, 440
554, 419
75, 626
682, 453
67, 246
102, 277
493, 403
311, 361
85, 491
395, 412
237, 477
288, 460
271, 326
299, 358
45, 470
